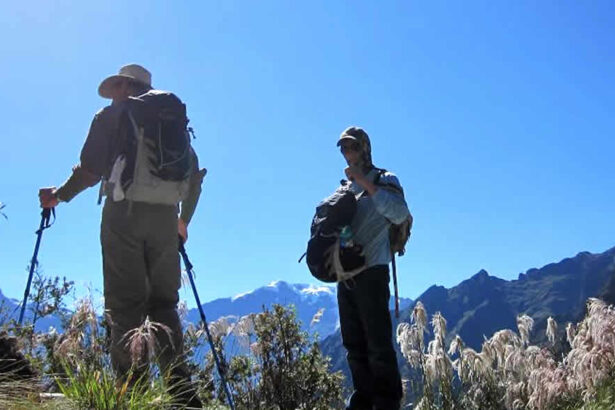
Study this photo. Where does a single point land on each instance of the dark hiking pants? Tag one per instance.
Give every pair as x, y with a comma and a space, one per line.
141, 277
365, 322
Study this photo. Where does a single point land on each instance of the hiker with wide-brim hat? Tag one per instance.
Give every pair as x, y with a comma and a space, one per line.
129, 76
363, 299
139, 239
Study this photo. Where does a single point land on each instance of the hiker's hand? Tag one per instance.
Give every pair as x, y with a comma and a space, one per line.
47, 197
355, 174
182, 229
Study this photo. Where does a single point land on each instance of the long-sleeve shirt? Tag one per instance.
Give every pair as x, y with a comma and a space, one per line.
96, 162
374, 215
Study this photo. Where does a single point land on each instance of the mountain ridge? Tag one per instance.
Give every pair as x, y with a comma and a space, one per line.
483, 304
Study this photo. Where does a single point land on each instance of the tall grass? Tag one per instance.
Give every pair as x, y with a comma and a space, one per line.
279, 366
509, 372
97, 389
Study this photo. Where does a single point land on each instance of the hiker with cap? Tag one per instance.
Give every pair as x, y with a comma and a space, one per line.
363, 299
140, 223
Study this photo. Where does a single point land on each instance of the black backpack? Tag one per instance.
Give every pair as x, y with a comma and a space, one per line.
326, 259
157, 169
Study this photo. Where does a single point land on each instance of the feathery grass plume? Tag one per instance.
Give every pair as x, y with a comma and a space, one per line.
525, 325
551, 331
423, 404
80, 339
410, 340
596, 307
245, 325
592, 358
570, 333
403, 338
185, 279
419, 315
414, 358
438, 323
256, 349
509, 372
141, 341
544, 381
498, 344
220, 328
456, 346
489, 352
317, 316
195, 332
417, 337
474, 366
182, 310
438, 362
244, 330
514, 360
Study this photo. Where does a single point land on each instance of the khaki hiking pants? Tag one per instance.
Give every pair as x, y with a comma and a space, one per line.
141, 276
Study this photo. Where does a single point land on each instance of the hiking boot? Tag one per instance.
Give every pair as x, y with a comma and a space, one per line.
359, 401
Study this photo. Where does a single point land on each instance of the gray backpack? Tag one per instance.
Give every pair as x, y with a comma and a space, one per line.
152, 156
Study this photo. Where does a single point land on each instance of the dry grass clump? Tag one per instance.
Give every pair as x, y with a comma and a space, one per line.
509, 372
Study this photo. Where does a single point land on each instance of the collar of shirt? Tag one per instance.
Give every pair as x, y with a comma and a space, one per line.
358, 189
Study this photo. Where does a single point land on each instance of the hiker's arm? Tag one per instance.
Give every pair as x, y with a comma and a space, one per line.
188, 205
389, 199
94, 156
78, 181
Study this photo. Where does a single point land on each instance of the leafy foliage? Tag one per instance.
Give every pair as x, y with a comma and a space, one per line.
280, 368
284, 369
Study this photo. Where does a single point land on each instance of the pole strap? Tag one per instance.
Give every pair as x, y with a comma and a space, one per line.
46, 221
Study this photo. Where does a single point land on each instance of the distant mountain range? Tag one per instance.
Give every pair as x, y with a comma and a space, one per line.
484, 304
474, 309
307, 299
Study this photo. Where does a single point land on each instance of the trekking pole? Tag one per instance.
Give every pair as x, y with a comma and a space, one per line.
188, 266
45, 217
395, 285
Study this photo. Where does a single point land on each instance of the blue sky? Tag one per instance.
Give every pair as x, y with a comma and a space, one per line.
496, 116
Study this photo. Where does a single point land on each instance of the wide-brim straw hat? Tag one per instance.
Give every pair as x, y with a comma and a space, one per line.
133, 72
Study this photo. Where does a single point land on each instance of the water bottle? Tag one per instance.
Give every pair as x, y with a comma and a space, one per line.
346, 237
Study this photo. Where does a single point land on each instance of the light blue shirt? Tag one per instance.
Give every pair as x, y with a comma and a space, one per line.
374, 215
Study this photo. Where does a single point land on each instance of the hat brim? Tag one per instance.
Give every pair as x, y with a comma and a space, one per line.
346, 137
105, 87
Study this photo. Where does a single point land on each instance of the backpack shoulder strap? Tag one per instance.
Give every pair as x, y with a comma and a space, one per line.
390, 186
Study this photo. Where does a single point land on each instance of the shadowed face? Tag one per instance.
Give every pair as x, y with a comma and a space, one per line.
122, 89
351, 150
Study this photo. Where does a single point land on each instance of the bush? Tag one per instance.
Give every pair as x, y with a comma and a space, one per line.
284, 369
280, 367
